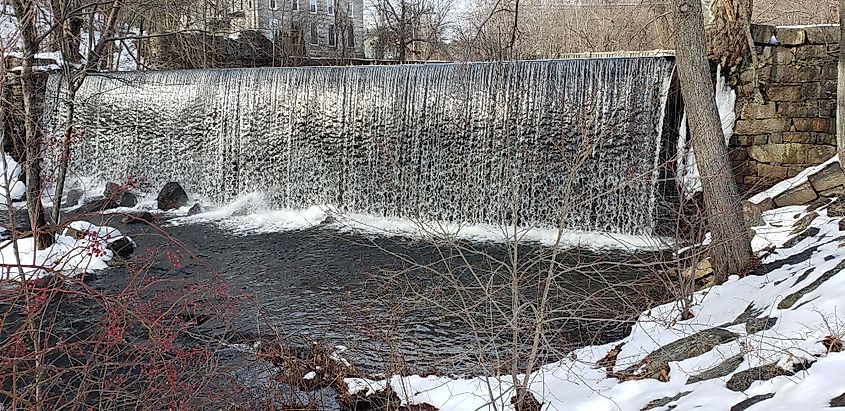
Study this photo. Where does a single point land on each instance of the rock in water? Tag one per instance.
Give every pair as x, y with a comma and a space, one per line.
172, 196
122, 247
119, 195
71, 198
196, 209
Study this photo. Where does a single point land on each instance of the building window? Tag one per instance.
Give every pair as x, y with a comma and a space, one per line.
330, 7
274, 5
350, 36
332, 36
350, 9
314, 6
294, 5
314, 35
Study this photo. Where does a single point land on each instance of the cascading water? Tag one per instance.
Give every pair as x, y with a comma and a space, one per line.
577, 141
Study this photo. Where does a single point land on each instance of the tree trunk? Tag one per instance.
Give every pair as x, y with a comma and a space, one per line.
728, 31
731, 246
840, 87
32, 165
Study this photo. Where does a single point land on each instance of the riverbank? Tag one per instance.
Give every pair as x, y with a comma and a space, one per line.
769, 341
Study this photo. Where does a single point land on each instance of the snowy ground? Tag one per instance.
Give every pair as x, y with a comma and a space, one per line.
763, 339
83, 248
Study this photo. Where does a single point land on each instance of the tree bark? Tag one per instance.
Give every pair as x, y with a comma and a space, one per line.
731, 246
840, 86
32, 165
728, 31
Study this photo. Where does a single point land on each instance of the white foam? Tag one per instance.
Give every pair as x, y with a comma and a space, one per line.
254, 214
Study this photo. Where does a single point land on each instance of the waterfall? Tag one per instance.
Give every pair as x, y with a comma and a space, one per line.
535, 142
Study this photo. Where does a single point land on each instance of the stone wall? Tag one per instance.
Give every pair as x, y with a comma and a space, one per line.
790, 124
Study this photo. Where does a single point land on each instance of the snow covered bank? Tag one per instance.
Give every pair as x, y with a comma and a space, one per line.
82, 248
10, 182
770, 340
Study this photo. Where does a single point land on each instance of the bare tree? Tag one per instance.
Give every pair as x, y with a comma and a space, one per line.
75, 75
417, 27
730, 241
26, 13
840, 87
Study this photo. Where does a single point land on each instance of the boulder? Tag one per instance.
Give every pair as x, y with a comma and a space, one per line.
742, 380
120, 195
798, 195
122, 247
172, 196
142, 218
71, 198
829, 177
838, 401
196, 209
97, 206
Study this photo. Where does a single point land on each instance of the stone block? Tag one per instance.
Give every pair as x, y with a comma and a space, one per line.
834, 192
783, 56
785, 74
751, 110
830, 72
757, 127
822, 34
819, 154
785, 93
810, 91
772, 171
762, 33
776, 138
819, 125
789, 36
799, 195
798, 109
810, 73
799, 137
826, 139
828, 103
795, 170
741, 141
789, 153
829, 177
810, 54
827, 90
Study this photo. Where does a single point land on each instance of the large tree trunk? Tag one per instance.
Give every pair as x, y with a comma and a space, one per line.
32, 164
840, 87
728, 30
731, 246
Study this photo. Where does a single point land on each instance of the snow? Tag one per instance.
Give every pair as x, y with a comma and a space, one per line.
10, 182
576, 383
68, 256
688, 174
796, 181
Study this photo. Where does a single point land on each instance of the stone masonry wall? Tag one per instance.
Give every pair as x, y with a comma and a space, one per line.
793, 125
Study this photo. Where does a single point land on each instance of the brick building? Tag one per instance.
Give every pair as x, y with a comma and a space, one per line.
310, 28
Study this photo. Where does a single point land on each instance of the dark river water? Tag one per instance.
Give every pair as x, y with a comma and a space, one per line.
416, 306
